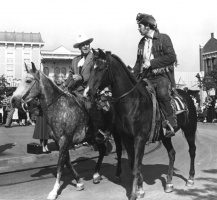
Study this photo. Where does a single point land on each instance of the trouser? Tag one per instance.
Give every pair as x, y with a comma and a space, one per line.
97, 118
9, 117
162, 87
4, 115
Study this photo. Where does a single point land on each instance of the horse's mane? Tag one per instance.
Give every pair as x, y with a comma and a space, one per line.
130, 75
55, 87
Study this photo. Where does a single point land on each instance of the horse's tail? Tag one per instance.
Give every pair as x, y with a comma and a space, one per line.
191, 123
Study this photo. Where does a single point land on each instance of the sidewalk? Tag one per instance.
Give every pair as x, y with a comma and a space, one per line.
14, 156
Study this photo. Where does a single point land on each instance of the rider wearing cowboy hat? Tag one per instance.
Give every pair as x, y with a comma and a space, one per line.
80, 72
156, 53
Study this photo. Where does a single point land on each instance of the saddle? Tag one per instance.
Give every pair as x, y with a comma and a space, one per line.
177, 103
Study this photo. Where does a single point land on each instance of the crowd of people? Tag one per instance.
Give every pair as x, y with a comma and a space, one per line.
207, 111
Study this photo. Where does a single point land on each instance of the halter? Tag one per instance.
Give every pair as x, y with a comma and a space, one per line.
112, 80
44, 108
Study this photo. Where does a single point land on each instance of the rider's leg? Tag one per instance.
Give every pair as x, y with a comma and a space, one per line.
163, 92
98, 122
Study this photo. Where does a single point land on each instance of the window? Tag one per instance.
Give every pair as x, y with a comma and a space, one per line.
10, 64
57, 71
46, 71
63, 72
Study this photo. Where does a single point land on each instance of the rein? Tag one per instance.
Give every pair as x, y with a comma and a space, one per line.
117, 99
44, 108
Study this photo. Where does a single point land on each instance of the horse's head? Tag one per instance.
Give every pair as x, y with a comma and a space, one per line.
100, 74
28, 88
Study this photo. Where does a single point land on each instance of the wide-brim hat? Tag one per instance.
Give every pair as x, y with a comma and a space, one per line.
82, 39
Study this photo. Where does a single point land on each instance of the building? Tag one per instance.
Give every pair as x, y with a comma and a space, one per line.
209, 55
17, 49
208, 61
56, 63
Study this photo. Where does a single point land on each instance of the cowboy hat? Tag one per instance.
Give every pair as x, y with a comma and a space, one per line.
82, 39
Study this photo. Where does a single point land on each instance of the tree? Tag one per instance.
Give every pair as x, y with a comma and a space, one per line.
209, 81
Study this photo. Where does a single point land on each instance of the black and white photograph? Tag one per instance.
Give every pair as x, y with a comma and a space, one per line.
112, 100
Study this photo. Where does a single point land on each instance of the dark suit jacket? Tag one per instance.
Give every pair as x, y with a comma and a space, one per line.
85, 71
164, 56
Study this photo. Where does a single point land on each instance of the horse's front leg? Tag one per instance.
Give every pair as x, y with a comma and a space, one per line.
137, 189
63, 148
117, 139
171, 153
102, 150
80, 185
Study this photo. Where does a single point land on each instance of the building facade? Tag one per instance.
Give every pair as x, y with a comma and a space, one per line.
208, 62
56, 63
17, 49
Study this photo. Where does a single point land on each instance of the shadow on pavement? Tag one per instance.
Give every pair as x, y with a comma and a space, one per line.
6, 146
208, 190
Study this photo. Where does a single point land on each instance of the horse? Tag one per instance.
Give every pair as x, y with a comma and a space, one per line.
135, 109
66, 117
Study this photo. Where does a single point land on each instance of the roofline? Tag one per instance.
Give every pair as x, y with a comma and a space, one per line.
11, 42
209, 52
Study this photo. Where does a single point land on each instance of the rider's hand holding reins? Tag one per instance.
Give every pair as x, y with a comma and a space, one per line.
146, 64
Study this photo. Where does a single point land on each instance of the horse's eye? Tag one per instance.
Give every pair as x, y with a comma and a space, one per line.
28, 81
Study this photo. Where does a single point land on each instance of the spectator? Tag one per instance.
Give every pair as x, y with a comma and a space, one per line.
22, 117
4, 105
211, 110
10, 111
41, 130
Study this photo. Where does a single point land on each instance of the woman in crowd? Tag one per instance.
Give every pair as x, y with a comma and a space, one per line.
41, 131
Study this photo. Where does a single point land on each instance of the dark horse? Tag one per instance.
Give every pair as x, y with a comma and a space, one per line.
67, 119
136, 111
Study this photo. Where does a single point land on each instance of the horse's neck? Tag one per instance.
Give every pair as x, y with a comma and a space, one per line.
122, 83
48, 90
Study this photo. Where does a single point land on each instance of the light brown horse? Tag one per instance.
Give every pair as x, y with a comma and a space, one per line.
67, 118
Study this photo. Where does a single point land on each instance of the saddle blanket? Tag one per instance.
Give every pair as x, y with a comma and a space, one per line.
179, 105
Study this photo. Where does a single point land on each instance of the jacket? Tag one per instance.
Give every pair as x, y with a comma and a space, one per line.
164, 57
85, 71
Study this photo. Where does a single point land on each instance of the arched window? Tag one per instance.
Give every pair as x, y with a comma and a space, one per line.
63, 71
46, 71
57, 71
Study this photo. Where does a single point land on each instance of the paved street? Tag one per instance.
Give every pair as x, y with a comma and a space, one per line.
36, 183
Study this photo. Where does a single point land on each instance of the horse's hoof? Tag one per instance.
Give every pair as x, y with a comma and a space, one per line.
133, 197
189, 183
117, 179
169, 188
96, 178
79, 186
140, 194
51, 196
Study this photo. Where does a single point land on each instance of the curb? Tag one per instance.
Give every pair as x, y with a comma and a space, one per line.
21, 163
33, 161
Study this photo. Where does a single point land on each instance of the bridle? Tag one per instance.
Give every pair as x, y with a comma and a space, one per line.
44, 108
108, 69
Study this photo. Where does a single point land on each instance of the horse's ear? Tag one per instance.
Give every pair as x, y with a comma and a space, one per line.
94, 52
33, 67
27, 68
102, 54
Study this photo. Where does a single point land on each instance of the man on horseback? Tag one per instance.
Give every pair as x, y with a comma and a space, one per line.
156, 54
79, 75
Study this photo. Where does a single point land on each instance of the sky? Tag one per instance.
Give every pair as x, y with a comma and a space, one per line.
112, 24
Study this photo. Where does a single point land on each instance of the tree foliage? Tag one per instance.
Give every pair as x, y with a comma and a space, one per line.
209, 81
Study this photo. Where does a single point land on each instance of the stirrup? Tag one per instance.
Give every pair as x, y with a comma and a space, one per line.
102, 136
167, 132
